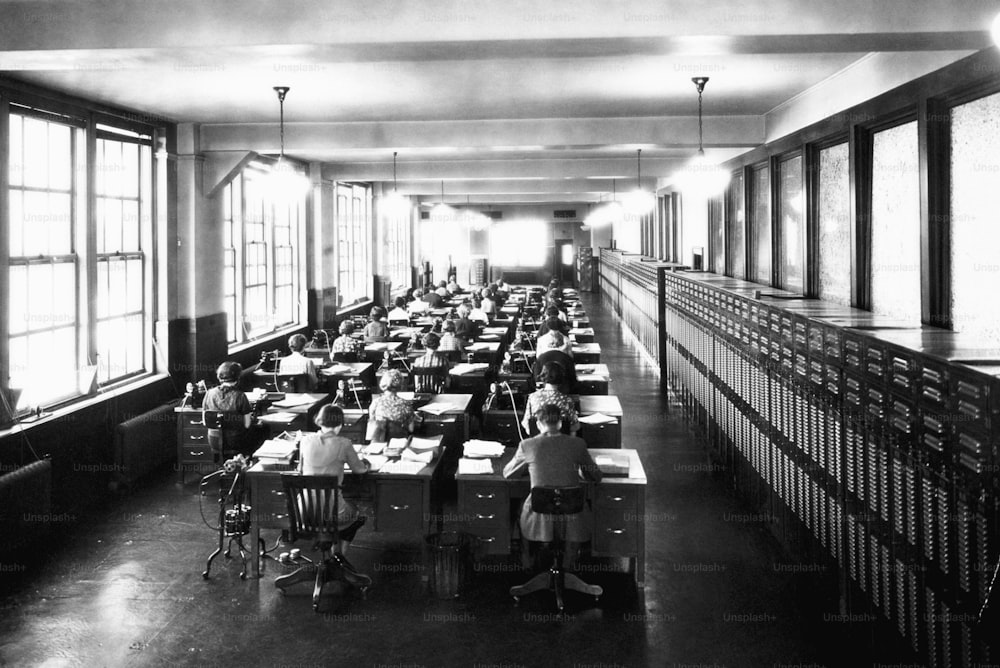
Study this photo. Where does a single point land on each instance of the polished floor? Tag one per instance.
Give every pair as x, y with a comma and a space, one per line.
125, 588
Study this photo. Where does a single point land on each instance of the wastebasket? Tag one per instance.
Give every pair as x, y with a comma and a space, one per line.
450, 557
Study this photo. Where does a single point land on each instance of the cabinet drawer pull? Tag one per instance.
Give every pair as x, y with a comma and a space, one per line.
196, 438
616, 498
486, 496
491, 539
485, 517
617, 532
395, 507
196, 454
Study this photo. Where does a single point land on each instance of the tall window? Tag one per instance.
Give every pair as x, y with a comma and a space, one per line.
262, 231
394, 248
791, 224
354, 224
760, 225
834, 225
895, 233
716, 235
80, 287
735, 225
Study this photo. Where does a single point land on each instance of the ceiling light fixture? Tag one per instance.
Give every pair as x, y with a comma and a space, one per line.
442, 213
607, 214
700, 176
995, 30
285, 180
639, 202
395, 205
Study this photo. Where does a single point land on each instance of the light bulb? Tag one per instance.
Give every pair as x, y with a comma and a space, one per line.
638, 202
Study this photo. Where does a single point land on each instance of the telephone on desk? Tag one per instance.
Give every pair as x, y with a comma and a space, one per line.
269, 361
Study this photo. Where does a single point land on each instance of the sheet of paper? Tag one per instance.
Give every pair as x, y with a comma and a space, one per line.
597, 418
278, 418
468, 466
403, 467
464, 368
479, 449
425, 456
419, 443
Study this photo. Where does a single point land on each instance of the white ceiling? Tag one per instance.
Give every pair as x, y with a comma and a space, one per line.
503, 100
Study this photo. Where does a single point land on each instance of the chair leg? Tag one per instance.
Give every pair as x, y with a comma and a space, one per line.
321, 577
576, 584
541, 581
301, 574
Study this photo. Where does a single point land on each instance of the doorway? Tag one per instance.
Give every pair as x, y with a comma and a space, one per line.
564, 262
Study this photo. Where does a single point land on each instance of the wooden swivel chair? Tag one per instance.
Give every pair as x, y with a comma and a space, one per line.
313, 505
234, 433
558, 502
429, 380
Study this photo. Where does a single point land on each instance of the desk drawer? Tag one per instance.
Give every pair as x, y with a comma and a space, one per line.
485, 502
190, 454
591, 386
194, 436
602, 435
615, 533
400, 507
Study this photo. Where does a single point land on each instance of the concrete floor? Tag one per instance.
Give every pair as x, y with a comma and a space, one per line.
125, 588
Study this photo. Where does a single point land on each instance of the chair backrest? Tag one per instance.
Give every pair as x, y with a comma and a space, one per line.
344, 357
429, 379
557, 500
313, 505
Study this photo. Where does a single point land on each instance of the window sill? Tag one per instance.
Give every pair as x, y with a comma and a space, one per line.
278, 335
84, 403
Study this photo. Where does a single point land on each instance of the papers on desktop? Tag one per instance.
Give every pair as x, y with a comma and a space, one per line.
421, 443
376, 461
480, 345
613, 464
468, 466
278, 418
403, 466
373, 448
464, 368
275, 449
425, 456
292, 400
597, 418
335, 369
478, 449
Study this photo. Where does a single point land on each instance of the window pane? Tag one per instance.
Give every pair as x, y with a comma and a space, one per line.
975, 201
761, 225
60, 167
834, 247
16, 160
735, 219
895, 270
36, 153
792, 233
717, 234
16, 223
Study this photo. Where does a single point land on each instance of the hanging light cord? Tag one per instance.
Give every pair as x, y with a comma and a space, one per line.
394, 171
699, 83
281, 90
638, 167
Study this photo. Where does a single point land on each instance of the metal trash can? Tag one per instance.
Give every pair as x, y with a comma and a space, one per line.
449, 554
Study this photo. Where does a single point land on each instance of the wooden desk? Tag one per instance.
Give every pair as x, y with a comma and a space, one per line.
362, 371
582, 335
373, 351
485, 351
592, 379
402, 502
607, 435
587, 353
489, 507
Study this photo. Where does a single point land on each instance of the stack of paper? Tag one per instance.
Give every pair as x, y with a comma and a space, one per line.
478, 449
598, 418
376, 461
424, 456
276, 450
613, 464
373, 448
278, 418
421, 443
337, 369
464, 368
402, 466
293, 399
468, 466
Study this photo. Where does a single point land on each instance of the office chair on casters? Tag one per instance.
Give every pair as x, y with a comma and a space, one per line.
313, 506
233, 429
558, 502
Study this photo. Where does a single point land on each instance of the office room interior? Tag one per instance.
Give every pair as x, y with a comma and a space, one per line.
767, 231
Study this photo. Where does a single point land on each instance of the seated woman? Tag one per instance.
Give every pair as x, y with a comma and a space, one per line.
345, 343
418, 305
232, 403
377, 329
489, 304
434, 299
453, 286
398, 312
553, 339
324, 453
390, 411
553, 323
435, 365
449, 341
553, 459
465, 329
553, 376
296, 363
476, 313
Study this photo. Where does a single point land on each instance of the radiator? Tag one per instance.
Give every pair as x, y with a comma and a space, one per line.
25, 505
144, 444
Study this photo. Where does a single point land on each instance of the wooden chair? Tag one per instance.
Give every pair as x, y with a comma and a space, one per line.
313, 506
557, 502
